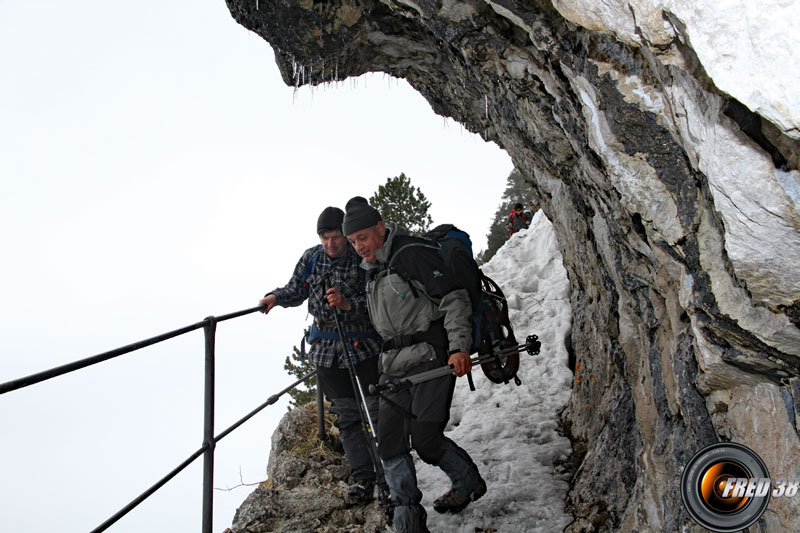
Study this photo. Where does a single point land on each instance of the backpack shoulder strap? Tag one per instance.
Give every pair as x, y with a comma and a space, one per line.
311, 265
407, 241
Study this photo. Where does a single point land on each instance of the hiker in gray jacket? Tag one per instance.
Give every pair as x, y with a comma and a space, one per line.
425, 321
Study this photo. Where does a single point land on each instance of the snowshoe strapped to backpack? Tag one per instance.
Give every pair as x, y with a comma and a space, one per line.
491, 326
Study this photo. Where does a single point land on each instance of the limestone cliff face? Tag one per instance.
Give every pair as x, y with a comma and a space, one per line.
661, 138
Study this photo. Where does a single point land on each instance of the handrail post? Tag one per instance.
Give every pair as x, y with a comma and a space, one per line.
210, 329
320, 414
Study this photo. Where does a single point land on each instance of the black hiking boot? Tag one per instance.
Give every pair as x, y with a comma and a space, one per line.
450, 503
360, 492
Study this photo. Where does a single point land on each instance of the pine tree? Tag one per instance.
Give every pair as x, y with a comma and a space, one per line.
401, 203
517, 190
298, 368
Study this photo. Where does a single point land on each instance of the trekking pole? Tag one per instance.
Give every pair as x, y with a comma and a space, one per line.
361, 399
356, 382
532, 346
372, 444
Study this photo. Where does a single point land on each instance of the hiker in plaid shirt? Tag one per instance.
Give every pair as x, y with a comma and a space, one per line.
328, 275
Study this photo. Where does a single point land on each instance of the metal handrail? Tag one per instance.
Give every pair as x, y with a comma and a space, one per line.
149, 492
105, 356
209, 326
89, 361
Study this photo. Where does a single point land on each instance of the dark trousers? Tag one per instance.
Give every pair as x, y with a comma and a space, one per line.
430, 403
338, 388
398, 433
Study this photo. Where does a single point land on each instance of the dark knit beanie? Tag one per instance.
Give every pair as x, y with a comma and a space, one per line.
330, 219
359, 215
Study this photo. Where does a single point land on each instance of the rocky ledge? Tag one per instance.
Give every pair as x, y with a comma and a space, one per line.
307, 484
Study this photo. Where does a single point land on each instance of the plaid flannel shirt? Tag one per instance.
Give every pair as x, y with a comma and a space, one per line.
343, 274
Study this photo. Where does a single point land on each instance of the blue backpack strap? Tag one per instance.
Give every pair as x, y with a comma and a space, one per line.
311, 265
307, 271
315, 333
303, 349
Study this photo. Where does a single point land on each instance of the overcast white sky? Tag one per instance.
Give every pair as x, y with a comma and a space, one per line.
155, 170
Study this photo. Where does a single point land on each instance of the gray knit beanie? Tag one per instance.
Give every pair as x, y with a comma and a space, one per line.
359, 215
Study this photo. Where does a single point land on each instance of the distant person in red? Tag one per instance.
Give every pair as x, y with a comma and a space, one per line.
517, 219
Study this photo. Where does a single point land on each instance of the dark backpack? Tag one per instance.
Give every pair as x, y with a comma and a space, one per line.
490, 325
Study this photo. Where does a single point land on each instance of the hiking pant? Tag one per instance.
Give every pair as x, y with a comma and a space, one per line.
358, 446
398, 432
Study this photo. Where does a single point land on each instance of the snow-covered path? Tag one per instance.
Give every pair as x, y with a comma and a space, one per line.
510, 431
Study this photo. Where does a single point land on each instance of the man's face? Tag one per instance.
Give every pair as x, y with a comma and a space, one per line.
368, 240
333, 242
518, 210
